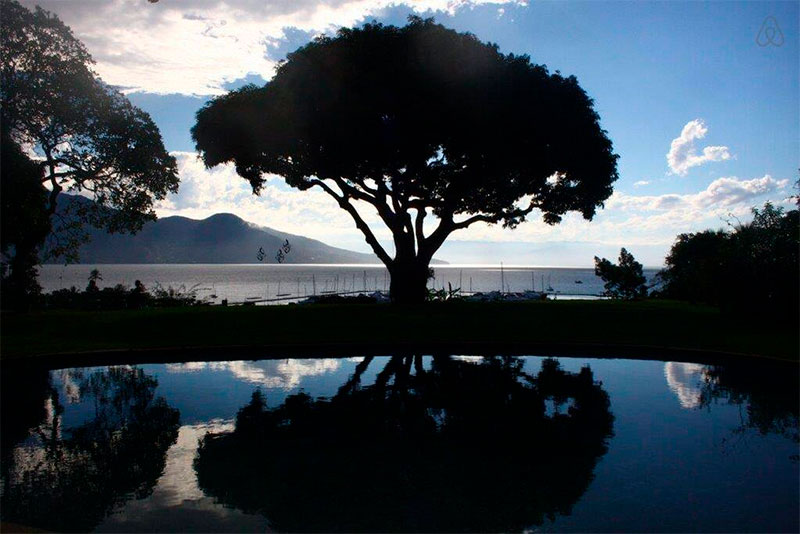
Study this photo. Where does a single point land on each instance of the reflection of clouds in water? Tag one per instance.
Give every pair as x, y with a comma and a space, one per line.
279, 374
177, 489
469, 359
684, 380
69, 381
28, 460
179, 483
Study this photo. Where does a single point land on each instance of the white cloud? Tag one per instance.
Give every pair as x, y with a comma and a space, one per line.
641, 183
626, 219
722, 193
682, 154
279, 374
644, 219
204, 192
196, 47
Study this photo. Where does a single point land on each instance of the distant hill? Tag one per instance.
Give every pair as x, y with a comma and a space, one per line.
221, 238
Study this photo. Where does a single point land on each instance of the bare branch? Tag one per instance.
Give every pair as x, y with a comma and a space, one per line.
360, 224
419, 224
493, 219
475, 218
437, 237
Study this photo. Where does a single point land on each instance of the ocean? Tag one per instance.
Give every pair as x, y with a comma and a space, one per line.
242, 282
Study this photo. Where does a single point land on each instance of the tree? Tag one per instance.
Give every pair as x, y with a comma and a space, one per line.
88, 138
94, 276
412, 122
23, 222
696, 266
752, 266
625, 280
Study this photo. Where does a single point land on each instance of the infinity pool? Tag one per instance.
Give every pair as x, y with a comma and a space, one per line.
402, 443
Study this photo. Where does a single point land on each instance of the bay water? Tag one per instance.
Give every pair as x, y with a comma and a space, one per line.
238, 283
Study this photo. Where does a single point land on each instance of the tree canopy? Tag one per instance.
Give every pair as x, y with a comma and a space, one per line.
625, 280
87, 137
753, 265
24, 223
416, 121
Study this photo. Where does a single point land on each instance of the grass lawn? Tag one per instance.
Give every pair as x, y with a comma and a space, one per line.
647, 329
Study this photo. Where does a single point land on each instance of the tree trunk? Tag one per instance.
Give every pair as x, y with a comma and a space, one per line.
409, 280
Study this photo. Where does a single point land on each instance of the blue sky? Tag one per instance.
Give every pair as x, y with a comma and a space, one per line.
667, 77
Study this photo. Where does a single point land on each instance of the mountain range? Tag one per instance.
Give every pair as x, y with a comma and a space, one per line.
220, 238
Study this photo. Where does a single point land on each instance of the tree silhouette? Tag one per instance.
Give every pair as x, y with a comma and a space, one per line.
760, 258
76, 475
90, 138
457, 447
24, 223
24, 391
625, 280
768, 392
412, 122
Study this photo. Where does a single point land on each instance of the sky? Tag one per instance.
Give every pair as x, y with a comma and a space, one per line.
701, 102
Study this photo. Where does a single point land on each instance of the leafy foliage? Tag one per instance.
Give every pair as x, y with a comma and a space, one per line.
23, 222
89, 137
625, 280
441, 295
120, 296
417, 121
754, 265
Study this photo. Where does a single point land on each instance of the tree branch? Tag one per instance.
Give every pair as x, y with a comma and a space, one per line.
435, 240
475, 218
56, 187
493, 219
360, 224
419, 227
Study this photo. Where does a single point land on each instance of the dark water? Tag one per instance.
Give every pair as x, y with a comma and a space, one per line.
402, 443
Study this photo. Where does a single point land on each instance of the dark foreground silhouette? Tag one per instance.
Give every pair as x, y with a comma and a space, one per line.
767, 394
417, 121
457, 447
74, 476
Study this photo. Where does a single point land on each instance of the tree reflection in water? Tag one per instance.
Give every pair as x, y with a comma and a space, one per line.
768, 392
459, 447
73, 477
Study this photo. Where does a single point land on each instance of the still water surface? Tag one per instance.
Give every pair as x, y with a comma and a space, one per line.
402, 443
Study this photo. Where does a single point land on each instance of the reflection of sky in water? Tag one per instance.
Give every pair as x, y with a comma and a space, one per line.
177, 500
684, 379
277, 374
666, 454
